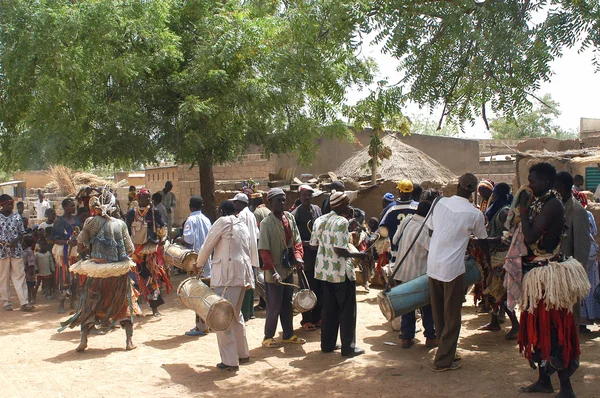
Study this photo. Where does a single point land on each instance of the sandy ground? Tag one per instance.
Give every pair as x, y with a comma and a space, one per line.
38, 361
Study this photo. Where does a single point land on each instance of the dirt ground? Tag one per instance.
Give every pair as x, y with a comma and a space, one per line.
38, 361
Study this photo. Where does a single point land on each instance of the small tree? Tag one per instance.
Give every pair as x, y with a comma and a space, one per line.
381, 110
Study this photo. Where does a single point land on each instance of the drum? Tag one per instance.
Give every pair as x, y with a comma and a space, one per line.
260, 284
217, 312
414, 294
304, 299
181, 257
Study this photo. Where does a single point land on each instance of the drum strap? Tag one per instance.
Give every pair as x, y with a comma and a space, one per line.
391, 278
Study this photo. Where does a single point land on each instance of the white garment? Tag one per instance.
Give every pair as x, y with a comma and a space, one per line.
41, 207
597, 193
230, 240
415, 263
250, 220
452, 222
232, 341
12, 269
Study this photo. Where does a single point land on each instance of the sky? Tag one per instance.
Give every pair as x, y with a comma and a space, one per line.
574, 85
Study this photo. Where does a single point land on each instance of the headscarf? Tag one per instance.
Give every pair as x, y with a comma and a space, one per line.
483, 206
143, 191
580, 197
503, 198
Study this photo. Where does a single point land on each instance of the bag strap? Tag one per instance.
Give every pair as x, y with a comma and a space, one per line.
387, 285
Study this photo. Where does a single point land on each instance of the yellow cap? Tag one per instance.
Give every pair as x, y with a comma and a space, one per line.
405, 186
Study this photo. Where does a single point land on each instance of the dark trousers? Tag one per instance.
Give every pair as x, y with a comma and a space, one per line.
279, 307
313, 316
409, 322
339, 312
248, 304
446, 305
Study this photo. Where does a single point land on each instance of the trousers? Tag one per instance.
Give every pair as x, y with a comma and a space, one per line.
12, 269
339, 313
446, 304
232, 341
279, 307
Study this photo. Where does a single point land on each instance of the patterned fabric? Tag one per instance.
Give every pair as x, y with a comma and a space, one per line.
331, 231
10, 228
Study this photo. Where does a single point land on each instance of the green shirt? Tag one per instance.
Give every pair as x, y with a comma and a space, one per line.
272, 238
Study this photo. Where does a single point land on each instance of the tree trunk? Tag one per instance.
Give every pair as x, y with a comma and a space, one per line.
207, 187
374, 167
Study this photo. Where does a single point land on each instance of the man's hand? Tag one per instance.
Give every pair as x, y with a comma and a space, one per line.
13, 243
276, 278
523, 198
299, 264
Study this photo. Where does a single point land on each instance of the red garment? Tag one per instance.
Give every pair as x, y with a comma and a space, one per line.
536, 329
580, 197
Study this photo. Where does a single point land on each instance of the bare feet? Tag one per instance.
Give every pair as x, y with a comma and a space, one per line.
81, 347
130, 346
566, 394
537, 387
512, 335
490, 327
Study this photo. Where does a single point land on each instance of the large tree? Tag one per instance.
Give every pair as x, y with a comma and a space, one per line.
111, 82
105, 82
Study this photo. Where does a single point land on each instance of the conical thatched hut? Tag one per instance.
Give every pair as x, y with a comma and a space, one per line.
405, 162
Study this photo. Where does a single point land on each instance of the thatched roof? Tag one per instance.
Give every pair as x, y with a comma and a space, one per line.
405, 162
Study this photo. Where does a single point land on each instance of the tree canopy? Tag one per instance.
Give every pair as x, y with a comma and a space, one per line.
102, 82
539, 122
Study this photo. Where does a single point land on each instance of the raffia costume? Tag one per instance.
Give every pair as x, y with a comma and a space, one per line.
550, 286
108, 295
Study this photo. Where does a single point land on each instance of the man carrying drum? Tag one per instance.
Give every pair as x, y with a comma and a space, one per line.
305, 216
337, 276
195, 230
231, 278
451, 223
280, 248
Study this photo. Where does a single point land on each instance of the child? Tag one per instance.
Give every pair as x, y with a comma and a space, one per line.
45, 266
29, 264
157, 202
28, 231
50, 217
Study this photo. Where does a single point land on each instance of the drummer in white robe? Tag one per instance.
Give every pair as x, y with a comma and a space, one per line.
231, 277
414, 266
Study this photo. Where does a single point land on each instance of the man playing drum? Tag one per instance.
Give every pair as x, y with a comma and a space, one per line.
452, 222
280, 248
195, 230
232, 276
337, 277
305, 216
413, 266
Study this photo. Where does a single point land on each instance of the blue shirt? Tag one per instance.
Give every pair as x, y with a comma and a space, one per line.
194, 233
393, 215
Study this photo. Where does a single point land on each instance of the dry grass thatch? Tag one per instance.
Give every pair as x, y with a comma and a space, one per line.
66, 181
405, 162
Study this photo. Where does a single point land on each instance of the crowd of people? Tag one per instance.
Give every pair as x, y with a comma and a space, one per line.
535, 249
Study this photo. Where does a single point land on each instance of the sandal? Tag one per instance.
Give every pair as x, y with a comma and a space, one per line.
270, 343
27, 308
309, 326
454, 366
8, 307
294, 340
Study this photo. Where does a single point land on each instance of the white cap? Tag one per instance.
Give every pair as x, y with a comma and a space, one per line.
241, 197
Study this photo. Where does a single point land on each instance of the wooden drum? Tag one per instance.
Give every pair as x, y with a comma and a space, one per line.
217, 312
180, 257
